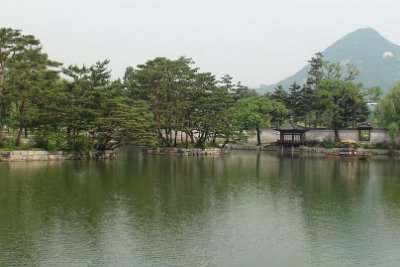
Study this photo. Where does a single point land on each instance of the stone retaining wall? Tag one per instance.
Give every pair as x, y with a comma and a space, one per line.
195, 152
360, 150
25, 155
306, 149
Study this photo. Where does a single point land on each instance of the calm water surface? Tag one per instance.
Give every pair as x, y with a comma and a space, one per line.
247, 209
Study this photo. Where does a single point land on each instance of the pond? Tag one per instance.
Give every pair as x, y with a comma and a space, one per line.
247, 209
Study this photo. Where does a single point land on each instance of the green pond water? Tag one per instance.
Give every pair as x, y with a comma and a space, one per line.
247, 209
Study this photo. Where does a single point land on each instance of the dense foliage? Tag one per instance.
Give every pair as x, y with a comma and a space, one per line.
161, 102
73, 108
329, 97
79, 108
191, 108
389, 111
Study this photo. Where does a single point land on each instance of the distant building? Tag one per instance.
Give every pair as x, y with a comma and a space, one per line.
291, 134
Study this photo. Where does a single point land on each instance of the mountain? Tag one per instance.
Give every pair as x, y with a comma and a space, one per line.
377, 59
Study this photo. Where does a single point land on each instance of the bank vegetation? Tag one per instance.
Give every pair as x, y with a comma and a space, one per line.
164, 102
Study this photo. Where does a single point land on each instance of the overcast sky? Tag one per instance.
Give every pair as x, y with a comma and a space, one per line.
255, 41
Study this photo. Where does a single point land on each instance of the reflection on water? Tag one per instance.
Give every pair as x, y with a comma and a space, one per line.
247, 209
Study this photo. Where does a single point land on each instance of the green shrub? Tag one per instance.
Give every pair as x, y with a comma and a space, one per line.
382, 145
82, 144
312, 143
328, 143
396, 146
4, 142
50, 140
24, 146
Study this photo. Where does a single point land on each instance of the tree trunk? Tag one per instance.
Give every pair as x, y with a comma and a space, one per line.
202, 139
172, 138
20, 131
2, 78
1, 91
175, 137
21, 111
214, 139
191, 138
337, 134
258, 135
75, 138
157, 117
166, 135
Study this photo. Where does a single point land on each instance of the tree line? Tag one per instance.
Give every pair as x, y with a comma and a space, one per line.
80, 108
331, 98
65, 108
162, 102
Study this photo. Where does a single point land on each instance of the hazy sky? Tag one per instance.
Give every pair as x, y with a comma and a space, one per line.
255, 41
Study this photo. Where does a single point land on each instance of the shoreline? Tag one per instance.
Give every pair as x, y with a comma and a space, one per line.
35, 155
318, 150
189, 152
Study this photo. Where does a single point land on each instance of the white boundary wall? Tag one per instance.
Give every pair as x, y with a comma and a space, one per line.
377, 136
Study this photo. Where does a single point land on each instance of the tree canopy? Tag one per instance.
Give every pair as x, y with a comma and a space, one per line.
163, 102
329, 97
389, 111
80, 110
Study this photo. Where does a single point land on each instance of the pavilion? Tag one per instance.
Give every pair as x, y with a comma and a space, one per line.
291, 134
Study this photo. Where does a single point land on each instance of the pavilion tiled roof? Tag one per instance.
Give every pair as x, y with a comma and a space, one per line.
290, 126
364, 125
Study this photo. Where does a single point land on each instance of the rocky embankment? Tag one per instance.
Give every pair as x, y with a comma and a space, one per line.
194, 152
26, 155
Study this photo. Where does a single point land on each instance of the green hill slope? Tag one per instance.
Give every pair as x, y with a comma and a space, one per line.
377, 59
